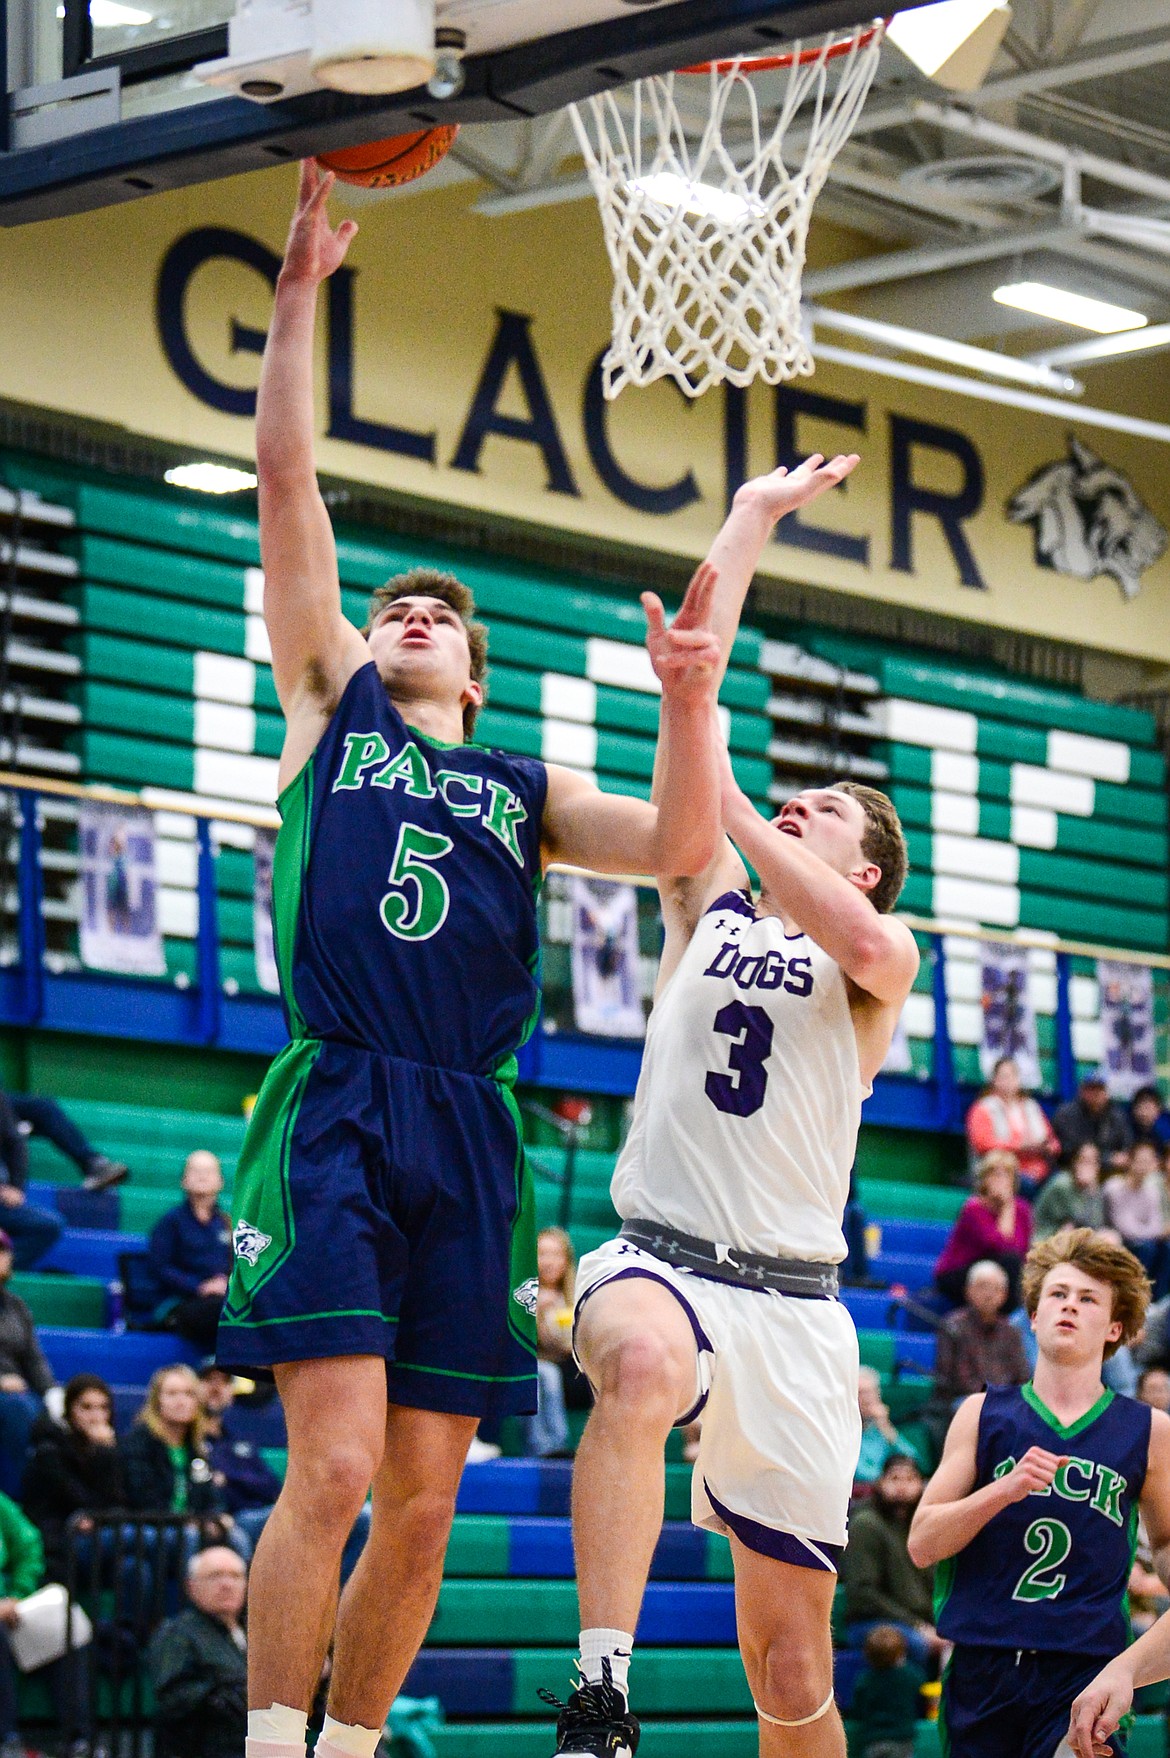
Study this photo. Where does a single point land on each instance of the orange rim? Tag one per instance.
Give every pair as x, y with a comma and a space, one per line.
769, 63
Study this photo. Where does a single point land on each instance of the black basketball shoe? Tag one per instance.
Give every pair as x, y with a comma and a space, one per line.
596, 1720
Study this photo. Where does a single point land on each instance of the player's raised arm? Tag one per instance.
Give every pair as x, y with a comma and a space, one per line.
876, 952
679, 831
951, 1513
756, 510
314, 649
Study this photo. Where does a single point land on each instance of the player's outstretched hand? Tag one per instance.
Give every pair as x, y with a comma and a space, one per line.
686, 655
314, 250
1099, 1709
785, 489
1035, 1471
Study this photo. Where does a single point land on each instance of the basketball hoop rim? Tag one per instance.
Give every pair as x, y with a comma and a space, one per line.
770, 63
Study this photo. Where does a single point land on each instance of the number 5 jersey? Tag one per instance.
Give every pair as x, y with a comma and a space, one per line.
1051, 1572
749, 1099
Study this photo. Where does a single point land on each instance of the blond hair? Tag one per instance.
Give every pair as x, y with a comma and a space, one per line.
431, 583
1112, 1264
150, 1416
883, 842
568, 1280
998, 1160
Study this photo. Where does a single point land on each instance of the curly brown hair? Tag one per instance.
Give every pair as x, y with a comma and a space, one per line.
883, 842
431, 583
1111, 1264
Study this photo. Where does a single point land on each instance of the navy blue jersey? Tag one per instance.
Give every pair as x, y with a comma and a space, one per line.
1050, 1572
404, 891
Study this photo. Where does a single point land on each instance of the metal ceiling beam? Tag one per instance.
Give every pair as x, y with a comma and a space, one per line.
1017, 140
901, 265
1147, 50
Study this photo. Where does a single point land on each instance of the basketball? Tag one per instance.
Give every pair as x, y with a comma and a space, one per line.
385, 164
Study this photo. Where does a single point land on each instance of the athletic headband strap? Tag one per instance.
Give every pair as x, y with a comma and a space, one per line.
774, 1721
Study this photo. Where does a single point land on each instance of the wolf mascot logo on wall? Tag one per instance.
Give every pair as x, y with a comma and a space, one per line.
1088, 520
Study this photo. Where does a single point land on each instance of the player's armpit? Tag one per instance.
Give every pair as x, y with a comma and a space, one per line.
684, 901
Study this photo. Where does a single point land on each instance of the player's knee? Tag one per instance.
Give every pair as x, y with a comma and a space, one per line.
794, 1677
421, 1519
332, 1483
645, 1372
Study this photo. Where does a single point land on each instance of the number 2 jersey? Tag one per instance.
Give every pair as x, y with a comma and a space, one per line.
404, 891
1051, 1572
748, 1104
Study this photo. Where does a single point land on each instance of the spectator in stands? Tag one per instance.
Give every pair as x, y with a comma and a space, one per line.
198, 1663
25, 1377
22, 1114
1005, 1116
244, 1479
75, 1470
191, 1254
1149, 1119
22, 1563
881, 1583
976, 1346
548, 1431
879, 1438
1136, 1204
33, 1231
995, 1223
1153, 1388
164, 1457
1071, 1198
1092, 1116
887, 1697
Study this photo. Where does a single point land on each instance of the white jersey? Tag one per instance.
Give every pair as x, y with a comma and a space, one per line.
749, 1100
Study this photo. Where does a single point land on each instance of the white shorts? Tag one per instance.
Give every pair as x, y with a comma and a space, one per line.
776, 1383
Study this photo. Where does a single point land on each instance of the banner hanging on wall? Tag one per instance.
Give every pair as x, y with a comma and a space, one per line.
120, 928
263, 938
1009, 1023
478, 389
1127, 1025
606, 991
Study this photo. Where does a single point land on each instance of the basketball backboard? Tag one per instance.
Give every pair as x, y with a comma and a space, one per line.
103, 104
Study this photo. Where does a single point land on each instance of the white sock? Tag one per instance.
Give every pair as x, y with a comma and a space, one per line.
340, 1739
277, 1732
616, 1646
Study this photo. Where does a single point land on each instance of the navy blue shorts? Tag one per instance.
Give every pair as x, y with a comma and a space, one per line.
383, 1207
1009, 1703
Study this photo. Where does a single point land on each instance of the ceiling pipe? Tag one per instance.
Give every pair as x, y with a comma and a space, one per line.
1040, 375
907, 373
957, 121
1153, 340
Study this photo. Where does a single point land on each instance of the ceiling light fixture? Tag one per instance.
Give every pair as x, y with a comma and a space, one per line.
1064, 307
210, 478
107, 14
666, 189
953, 42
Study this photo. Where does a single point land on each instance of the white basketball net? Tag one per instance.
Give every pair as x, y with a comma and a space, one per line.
707, 242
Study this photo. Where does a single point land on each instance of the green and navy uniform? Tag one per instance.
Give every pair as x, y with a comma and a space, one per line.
383, 1203
1035, 1604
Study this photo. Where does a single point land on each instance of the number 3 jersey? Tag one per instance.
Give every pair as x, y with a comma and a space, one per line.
747, 1108
404, 891
1051, 1571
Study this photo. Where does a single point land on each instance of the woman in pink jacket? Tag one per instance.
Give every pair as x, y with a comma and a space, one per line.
995, 1223
1008, 1117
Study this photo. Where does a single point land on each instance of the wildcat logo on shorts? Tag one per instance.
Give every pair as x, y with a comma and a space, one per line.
525, 1295
1088, 520
248, 1242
